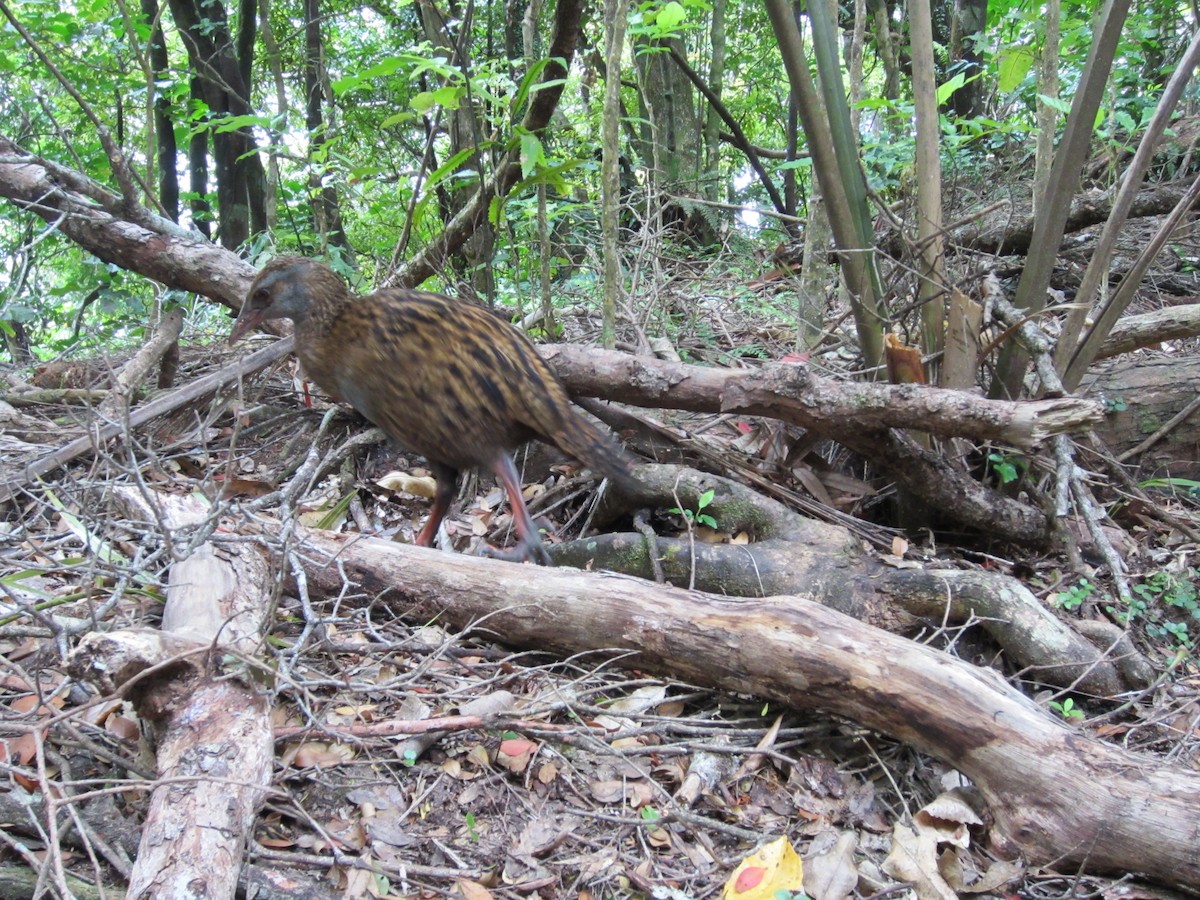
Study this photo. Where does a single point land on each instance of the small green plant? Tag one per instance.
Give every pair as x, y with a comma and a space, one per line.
1067, 709
1007, 468
649, 814
1115, 405
472, 832
698, 516
1137, 610
409, 758
1170, 605
1073, 597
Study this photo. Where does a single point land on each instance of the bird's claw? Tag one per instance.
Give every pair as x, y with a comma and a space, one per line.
534, 552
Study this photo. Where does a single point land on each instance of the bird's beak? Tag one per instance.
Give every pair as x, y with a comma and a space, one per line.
247, 321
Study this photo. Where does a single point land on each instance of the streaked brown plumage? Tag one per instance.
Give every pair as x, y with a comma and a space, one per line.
444, 378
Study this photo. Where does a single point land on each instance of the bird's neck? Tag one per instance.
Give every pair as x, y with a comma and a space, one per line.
328, 299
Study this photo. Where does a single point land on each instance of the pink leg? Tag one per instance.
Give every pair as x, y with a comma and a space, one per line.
447, 485
531, 546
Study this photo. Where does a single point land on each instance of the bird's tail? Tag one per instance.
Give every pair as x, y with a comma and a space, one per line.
578, 437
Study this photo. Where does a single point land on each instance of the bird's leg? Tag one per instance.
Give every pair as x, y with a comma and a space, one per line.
530, 546
443, 495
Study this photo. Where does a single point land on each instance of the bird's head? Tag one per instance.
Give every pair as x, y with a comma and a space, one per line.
285, 289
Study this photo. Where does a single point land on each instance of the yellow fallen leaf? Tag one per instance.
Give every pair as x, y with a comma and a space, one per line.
772, 868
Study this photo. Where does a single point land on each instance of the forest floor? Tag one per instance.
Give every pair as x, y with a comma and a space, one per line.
595, 780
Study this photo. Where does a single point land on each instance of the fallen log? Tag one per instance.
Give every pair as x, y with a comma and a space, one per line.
212, 733
1056, 795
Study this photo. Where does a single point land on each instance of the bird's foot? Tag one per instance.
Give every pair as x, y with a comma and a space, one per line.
534, 552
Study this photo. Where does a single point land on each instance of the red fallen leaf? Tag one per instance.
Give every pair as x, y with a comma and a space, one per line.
750, 878
517, 746
277, 843
743, 427
796, 357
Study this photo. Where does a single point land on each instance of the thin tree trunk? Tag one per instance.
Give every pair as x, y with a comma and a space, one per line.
615, 14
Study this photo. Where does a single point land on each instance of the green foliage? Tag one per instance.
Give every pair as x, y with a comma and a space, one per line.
698, 516
1170, 606
393, 96
1066, 708
1007, 468
1167, 607
1073, 597
1188, 485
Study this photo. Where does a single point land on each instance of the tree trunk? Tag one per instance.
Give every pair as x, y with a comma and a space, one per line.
1144, 394
967, 33
327, 210
219, 76
164, 125
466, 128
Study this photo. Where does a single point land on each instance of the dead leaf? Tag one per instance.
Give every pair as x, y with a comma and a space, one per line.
949, 817
998, 874
515, 754
772, 868
913, 858
832, 875
318, 754
641, 700
659, 838
417, 485
518, 747
472, 890
671, 709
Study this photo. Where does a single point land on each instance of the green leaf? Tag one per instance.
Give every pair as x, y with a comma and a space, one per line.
945, 90
533, 154
528, 83
422, 102
1014, 66
671, 16
396, 119
449, 96
225, 124
1061, 105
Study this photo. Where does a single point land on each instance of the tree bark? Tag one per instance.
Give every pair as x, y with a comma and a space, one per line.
1147, 393
220, 77
214, 743
1056, 794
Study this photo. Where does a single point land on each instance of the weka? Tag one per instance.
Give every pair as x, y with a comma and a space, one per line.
444, 378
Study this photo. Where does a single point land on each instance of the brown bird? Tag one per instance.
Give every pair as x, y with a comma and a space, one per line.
444, 378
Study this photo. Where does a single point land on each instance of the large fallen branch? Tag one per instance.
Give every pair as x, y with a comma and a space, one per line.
866, 418
791, 554
1056, 795
796, 394
212, 732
